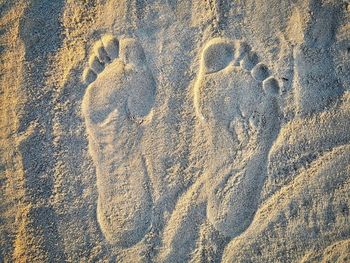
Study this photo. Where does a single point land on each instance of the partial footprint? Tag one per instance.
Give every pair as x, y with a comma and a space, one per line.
315, 84
236, 100
116, 106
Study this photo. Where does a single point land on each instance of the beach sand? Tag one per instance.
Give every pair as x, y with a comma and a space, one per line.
175, 131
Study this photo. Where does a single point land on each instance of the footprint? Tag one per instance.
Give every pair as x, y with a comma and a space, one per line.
236, 100
117, 106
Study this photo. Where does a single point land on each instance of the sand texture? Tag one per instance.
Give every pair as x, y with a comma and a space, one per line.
175, 131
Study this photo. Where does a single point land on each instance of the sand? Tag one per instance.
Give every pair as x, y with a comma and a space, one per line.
175, 131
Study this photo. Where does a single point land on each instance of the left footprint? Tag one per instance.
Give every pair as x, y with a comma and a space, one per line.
117, 106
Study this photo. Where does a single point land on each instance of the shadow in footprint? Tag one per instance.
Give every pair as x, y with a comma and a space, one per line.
40, 31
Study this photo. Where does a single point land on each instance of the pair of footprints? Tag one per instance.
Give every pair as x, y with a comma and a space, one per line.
232, 89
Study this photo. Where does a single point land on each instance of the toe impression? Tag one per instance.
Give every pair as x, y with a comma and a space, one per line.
260, 72
131, 51
271, 86
89, 76
95, 64
100, 52
249, 61
217, 55
111, 46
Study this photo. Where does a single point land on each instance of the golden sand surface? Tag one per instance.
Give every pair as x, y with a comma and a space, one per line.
175, 131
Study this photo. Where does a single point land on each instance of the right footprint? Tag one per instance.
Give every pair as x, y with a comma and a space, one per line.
117, 106
236, 100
